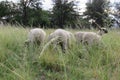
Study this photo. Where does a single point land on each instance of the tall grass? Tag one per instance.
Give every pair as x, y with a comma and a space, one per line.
80, 62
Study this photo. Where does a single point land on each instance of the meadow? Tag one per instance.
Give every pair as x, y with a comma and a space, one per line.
18, 62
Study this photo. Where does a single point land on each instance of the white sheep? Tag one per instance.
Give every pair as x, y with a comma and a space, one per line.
78, 36
90, 37
36, 36
63, 38
71, 39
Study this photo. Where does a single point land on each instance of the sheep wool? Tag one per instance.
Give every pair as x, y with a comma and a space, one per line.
78, 36
90, 37
63, 38
37, 36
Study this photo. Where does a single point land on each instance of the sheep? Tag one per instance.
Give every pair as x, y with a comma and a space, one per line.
90, 37
63, 38
78, 36
71, 39
36, 36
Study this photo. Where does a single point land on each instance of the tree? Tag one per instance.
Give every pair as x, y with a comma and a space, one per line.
4, 10
64, 13
96, 9
38, 17
117, 6
26, 13
7, 11
25, 6
117, 13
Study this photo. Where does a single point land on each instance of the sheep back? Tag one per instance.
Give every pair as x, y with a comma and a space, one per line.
91, 37
36, 35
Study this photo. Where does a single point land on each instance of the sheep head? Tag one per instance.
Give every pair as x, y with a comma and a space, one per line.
102, 31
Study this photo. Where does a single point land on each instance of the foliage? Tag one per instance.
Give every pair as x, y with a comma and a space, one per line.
26, 5
96, 10
3, 9
38, 17
26, 13
64, 13
7, 9
117, 6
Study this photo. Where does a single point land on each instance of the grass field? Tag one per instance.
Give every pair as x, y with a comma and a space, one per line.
79, 63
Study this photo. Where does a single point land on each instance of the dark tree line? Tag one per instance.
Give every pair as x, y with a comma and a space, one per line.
96, 11
26, 13
63, 14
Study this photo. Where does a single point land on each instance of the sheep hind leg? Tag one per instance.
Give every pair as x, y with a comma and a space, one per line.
63, 47
85, 42
37, 44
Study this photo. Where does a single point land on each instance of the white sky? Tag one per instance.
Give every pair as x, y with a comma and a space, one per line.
47, 4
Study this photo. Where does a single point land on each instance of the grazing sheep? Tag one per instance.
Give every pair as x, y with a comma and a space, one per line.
71, 39
102, 31
78, 36
90, 37
63, 38
36, 36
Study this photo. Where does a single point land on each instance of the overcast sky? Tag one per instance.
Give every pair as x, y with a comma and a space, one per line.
47, 4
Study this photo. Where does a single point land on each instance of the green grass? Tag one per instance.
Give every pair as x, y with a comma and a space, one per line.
18, 62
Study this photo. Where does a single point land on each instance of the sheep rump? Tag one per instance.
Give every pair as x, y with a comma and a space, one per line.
90, 37
36, 36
